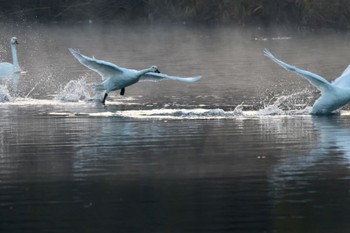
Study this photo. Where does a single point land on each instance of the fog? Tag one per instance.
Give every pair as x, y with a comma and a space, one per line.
230, 59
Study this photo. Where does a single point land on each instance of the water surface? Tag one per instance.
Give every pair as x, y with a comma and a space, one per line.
235, 152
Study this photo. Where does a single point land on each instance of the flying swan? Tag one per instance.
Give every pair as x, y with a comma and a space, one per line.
7, 69
333, 95
118, 78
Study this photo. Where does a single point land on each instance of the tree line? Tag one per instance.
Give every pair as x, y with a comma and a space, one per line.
308, 13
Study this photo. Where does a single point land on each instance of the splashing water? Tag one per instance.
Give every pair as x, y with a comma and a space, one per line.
286, 104
74, 91
4, 94
238, 111
197, 113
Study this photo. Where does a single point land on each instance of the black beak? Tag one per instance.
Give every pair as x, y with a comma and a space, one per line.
16, 42
157, 71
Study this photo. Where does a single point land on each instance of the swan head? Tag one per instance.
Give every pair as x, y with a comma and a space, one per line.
14, 40
155, 69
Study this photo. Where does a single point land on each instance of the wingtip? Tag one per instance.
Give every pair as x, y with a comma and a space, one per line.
267, 53
73, 51
76, 53
195, 78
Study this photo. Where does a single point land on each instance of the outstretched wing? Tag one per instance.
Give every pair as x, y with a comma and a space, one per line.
320, 83
344, 79
155, 77
103, 68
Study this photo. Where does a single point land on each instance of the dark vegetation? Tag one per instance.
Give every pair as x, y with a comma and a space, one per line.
304, 13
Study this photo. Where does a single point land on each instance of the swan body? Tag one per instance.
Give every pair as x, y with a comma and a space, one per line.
118, 78
7, 69
333, 95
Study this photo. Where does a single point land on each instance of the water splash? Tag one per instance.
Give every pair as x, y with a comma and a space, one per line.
292, 104
196, 113
4, 94
238, 111
74, 91
30, 92
166, 114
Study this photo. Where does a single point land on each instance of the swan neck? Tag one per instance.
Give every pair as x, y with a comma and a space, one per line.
144, 71
15, 59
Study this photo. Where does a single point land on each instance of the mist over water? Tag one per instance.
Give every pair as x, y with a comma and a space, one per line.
236, 151
223, 54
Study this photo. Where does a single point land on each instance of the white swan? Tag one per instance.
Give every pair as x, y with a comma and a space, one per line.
116, 77
7, 69
333, 95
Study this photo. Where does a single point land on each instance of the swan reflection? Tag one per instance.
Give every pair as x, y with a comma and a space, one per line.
332, 145
313, 177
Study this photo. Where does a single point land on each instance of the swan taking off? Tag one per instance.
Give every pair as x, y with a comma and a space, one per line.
118, 78
333, 95
7, 69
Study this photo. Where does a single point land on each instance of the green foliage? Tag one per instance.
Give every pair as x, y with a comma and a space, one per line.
205, 10
335, 13
311, 13
315, 13
324, 12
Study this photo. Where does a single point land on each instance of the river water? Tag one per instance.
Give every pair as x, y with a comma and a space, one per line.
235, 152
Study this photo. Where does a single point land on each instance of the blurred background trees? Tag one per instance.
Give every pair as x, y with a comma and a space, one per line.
309, 13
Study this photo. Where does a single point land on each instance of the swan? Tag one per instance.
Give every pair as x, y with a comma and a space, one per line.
7, 69
333, 95
118, 78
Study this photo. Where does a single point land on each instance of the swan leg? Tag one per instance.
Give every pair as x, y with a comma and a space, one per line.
122, 91
104, 98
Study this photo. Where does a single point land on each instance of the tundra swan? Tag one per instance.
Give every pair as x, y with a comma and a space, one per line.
7, 69
118, 78
333, 95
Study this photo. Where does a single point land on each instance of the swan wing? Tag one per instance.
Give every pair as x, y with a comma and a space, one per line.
103, 68
155, 77
344, 79
320, 83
